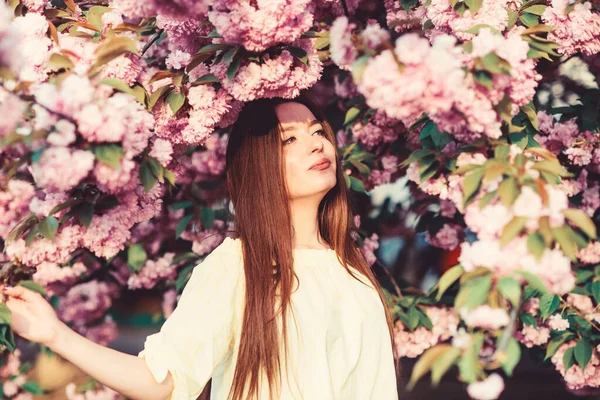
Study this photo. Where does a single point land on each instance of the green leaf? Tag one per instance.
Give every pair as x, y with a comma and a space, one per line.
94, 16
207, 217
595, 289
183, 278
513, 356
468, 363
425, 362
176, 101
511, 290
229, 55
213, 48
502, 152
484, 78
33, 388
473, 293
429, 172
474, 5
147, 177
357, 185
204, 79
7, 337
552, 167
299, 53
33, 286
582, 221
233, 68
512, 229
448, 279
156, 168
508, 191
487, 198
529, 110
583, 353
534, 281
493, 63
536, 245
442, 363
117, 84
504, 109
58, 61
415, 156
361, 167
5, 315
564, 239
358, 67
109, 154
529, 19
85, 214
583, 276
424, 319
471, 184
555, 343
512, 18
440, 139
408, 4
548, 305
181, 205
413, 318
32, 235
528, 319
351, 115
48, 227
182, 224
136, 257
159, 94
169, 176
536, 9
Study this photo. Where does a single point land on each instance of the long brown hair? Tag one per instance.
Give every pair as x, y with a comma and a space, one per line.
262, 220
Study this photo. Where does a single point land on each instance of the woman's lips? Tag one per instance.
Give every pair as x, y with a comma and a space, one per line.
322, 165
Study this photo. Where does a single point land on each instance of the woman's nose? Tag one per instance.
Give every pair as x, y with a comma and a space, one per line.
316, 145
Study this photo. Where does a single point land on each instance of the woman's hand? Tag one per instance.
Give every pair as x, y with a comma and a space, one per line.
33, 318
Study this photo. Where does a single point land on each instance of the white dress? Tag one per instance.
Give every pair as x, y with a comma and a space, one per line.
340, 350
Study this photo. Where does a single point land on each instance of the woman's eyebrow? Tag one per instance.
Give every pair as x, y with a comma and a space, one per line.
311, 123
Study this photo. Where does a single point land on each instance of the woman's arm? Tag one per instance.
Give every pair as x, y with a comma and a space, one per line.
35, 320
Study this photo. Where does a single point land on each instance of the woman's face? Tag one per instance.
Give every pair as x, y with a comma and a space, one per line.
309, 157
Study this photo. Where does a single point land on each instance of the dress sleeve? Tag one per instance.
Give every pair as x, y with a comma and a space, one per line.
198, 336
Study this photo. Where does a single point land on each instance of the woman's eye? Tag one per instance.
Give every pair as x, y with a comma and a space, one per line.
289, 140
320, 132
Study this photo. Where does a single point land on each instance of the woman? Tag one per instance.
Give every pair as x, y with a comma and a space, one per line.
287, 310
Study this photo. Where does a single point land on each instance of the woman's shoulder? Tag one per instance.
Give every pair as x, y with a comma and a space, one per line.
222, 266
227, 256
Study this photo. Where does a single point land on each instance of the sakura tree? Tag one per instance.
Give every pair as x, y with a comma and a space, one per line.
115, 119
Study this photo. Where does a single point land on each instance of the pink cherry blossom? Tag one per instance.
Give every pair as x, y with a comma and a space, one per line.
577, 31
62, 169
85, 302
488, 389
448, 237
153, 271
278, 76
412, 344
261, 24
533, 336
558, 323
14, 204
485, 317
575, 377
343, 52
591, 253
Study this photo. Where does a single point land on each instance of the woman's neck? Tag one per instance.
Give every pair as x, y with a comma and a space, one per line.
305, 223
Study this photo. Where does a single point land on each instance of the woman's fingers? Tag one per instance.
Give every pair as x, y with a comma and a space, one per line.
20, 292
